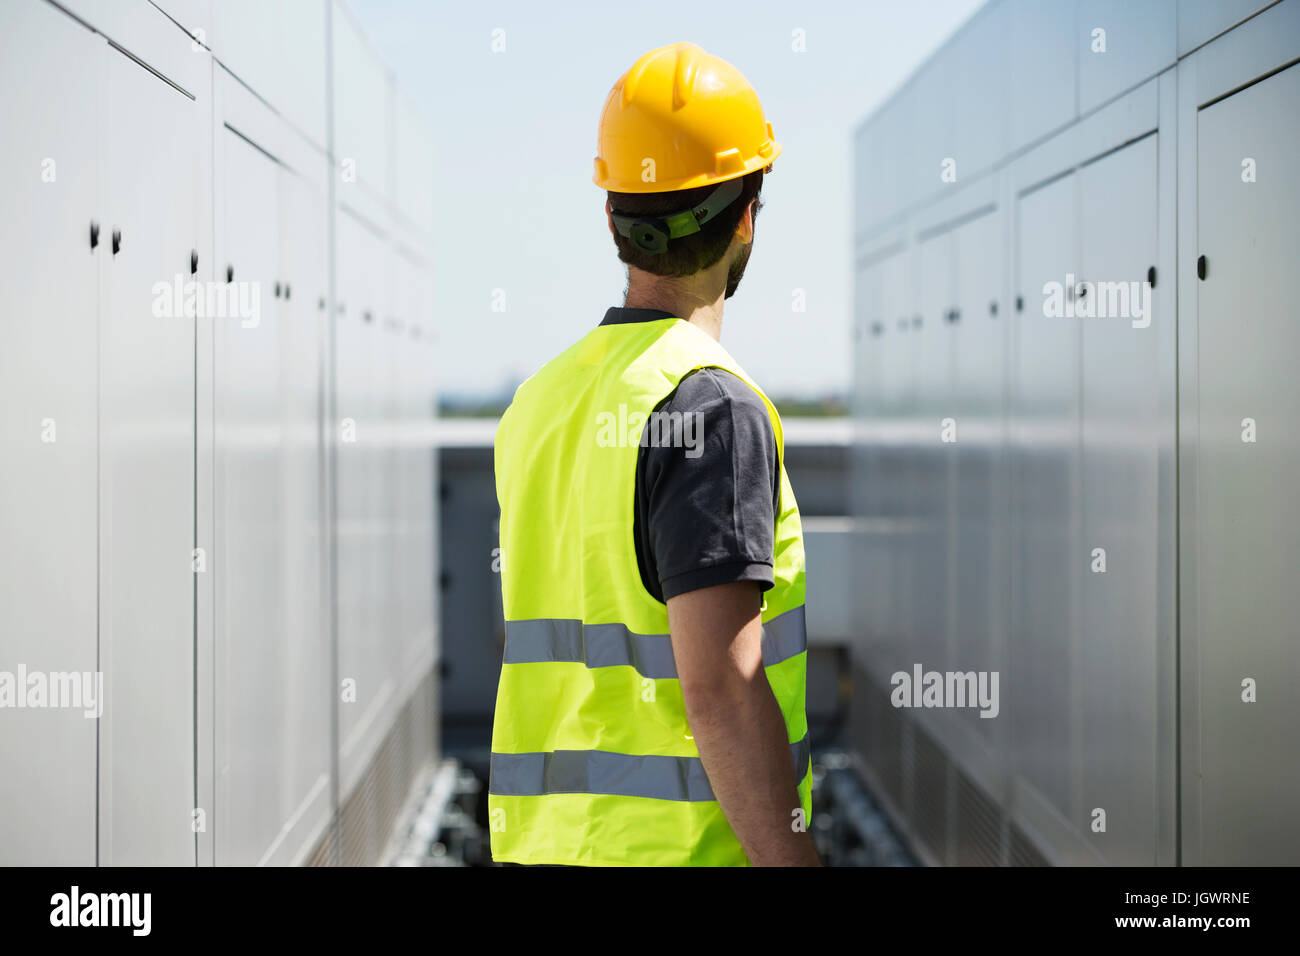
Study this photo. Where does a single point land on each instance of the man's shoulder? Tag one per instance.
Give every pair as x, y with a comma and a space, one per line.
713, 390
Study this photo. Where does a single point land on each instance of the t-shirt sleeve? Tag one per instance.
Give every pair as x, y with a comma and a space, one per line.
707, 496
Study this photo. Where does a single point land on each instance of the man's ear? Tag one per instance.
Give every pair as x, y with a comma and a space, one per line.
609, 217
745, 228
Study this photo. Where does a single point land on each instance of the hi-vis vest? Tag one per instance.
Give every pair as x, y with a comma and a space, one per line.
593, 760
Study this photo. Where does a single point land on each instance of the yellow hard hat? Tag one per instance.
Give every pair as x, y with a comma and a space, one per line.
681, 118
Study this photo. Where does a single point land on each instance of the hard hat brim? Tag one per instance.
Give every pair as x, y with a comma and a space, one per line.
606, 181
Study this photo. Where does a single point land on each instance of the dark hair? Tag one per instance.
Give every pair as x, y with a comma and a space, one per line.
689, 254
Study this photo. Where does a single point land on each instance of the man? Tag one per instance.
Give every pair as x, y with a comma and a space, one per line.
651, 704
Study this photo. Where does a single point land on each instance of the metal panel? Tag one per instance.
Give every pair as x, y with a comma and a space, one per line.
892, 489
193, 16
1045, 552
980, 118
270, 745
932, 457
1200, 21
49, 196
975, 631
363, 444
1122, 431
386, 380
1041, 60
878, 161
979, 826
417, 489
899, 469
154, 190
413, 163
1246, 546
871, 555
354, 423
245, 44
932, 140
109, 402
149, 35
247, 564
279, 51
300, 25
304, 702
1267, 41
1169, 491
1090, 675
361, 110
1138, 41
881, 489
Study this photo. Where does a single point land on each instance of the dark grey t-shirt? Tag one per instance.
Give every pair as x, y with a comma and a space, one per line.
707, 486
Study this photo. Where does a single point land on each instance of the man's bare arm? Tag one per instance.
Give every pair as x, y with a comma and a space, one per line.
738, 727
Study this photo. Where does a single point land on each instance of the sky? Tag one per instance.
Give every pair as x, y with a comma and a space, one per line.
515, 135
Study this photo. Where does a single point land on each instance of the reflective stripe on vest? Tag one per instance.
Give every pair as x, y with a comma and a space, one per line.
609, 645
602, 772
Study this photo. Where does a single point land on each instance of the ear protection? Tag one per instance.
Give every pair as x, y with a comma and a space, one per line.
650, 234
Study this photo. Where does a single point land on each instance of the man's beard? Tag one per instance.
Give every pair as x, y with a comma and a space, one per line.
737, 270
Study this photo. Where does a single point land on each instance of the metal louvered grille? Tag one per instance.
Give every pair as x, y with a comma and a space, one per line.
947, 814
930, 794
368, 815
1023, 852
979, 826
878, 728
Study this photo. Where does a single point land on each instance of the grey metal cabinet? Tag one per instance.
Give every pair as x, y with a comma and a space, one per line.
893, 491
385, 296
902, 468
364, 652
1246, 458
868, 330
933, 406
304, 709
871, 553
415, 573
249, 500
270, 662
153, 196
979, 332
1111, 530
1044, 466
1123, 430
166, 490
49, 202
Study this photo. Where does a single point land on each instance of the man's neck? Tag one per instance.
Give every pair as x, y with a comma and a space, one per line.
702, 309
